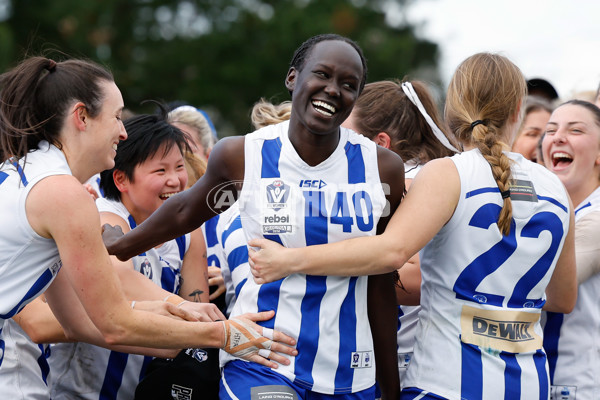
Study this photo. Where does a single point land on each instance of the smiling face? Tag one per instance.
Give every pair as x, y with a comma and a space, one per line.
531, 131
106, 129
154, 181
571, 148
326, 88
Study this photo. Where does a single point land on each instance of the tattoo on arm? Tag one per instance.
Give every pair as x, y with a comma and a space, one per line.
196, 295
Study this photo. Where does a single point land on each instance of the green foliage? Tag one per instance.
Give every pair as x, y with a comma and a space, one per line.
219, 55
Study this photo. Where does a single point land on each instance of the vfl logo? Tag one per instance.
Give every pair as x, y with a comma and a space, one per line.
361, 359
277, 194
181, 392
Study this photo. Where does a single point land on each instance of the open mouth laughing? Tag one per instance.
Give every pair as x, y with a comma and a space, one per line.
323, 108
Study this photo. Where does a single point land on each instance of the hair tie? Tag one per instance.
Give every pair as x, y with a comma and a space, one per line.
505, 194
51, 65
475, 123
410, 93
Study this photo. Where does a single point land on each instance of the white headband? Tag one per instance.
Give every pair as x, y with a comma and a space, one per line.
409, 91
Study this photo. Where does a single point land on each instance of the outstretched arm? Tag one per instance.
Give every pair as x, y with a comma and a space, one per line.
187, 210
426, 208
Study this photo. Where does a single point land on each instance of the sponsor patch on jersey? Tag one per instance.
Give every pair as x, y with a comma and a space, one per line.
562, 392
361, 359
277, 214
503, 330
56, 267
404, 360
522, 190
273, 392
181, 392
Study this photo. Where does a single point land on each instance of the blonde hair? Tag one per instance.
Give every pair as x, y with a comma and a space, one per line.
195, 167
265, 113
190, 116
483, 95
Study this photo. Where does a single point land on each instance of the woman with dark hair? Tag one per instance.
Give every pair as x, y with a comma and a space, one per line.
60, 123
496, 233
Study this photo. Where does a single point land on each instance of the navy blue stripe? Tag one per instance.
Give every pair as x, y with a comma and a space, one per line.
131, 221
588, 204
181, 245
552, 327
512, 376
36, 288
539, 359
210, 228
2, 348
237, 257
144, 368
471, 379
113, 376
271, 151
268, 298
235, 225
3, 176
43, 363
482, 191
356, 163
308, 337
100, 187
553, 201
238, 288
21, 173
315, 218
344, 375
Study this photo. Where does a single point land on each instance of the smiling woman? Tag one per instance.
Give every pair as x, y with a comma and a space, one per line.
342, 323
572, 151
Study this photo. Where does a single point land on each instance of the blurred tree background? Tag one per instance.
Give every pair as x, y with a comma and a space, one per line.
218, 55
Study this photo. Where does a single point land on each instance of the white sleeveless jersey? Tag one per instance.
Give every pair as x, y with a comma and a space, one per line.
286, 200
85, 371
234, 253
25, 371
408, 316
28, 264
572, 341
479, 335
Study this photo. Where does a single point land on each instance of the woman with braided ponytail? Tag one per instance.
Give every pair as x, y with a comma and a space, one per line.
496, 233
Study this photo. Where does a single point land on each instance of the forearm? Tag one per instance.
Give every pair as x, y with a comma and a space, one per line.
369, 255
383, 318
40, 324
173, 219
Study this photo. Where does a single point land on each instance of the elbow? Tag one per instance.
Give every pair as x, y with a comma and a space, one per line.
115, 335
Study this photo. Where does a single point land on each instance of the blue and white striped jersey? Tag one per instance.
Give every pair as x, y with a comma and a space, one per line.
90, 372
479, 335
233, 253
28, 264
572, 341
286, 200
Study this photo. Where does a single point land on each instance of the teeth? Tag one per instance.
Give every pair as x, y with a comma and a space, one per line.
561, 155
167, 195
115, 146
326, 106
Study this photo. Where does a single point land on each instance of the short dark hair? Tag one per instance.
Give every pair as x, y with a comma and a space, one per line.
302, 53
146, 133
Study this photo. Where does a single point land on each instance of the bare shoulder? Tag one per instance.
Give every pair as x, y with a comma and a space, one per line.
227, 158
58, 198
107, 217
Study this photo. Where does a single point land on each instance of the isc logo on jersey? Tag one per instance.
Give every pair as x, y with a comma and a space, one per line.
276, 218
